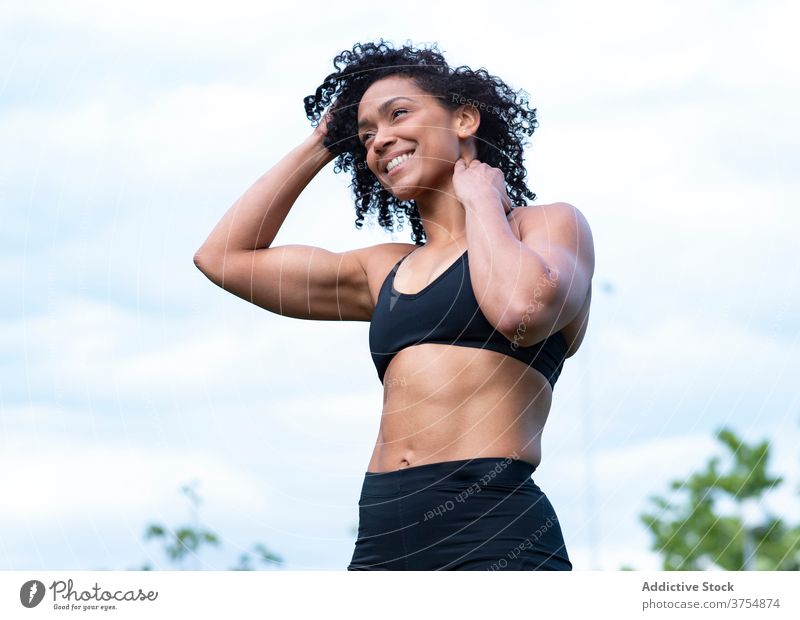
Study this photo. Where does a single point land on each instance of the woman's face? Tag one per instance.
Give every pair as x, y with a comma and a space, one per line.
396, 117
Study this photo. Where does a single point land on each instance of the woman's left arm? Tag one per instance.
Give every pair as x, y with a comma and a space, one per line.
534, 285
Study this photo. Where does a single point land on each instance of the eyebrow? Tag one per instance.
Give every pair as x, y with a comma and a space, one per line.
382, 109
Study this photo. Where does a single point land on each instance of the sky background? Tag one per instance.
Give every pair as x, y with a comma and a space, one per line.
128, 129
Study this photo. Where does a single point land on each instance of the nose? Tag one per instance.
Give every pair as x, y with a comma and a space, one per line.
381, 140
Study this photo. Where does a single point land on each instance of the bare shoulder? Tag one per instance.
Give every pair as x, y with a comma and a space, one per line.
374, 263
560, 227
553, 214
526, 217
371, 258
378, 260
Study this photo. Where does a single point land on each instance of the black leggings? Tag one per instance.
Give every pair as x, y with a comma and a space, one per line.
472, 514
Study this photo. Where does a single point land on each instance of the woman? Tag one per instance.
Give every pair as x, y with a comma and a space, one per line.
468, 334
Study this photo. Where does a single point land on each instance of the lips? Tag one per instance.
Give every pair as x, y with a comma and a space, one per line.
402, 164
385, 162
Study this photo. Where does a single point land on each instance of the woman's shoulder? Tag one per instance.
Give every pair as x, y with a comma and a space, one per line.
386, 251
377, 257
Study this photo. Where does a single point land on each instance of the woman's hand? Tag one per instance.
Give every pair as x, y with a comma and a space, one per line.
321, 130
478, 181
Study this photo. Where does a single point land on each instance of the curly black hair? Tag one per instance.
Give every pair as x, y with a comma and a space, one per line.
500, 136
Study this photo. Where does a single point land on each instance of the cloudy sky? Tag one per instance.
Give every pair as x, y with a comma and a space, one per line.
129, 128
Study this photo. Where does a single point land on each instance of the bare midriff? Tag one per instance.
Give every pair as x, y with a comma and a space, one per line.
447, 403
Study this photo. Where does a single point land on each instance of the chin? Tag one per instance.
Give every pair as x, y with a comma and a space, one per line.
407, 192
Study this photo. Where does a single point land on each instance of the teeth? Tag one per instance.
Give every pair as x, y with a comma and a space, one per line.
398, 160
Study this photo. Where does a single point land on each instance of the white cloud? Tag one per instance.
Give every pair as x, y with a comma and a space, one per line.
64, 477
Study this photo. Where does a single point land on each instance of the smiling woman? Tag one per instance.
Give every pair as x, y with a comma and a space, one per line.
469, 338
506, 120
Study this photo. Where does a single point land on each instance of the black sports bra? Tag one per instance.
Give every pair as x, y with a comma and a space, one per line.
446, 312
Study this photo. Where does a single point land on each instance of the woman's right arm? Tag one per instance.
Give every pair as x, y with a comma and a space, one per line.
292, 280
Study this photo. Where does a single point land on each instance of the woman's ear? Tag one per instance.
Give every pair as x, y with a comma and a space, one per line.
468, 119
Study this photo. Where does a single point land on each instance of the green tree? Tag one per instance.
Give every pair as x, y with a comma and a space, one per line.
693, 535
185, 541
